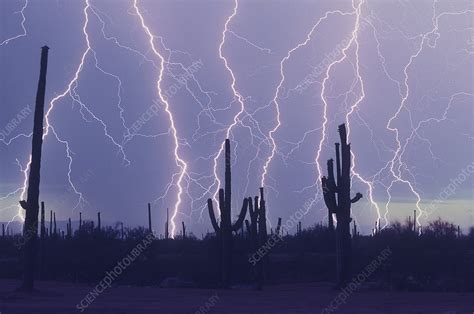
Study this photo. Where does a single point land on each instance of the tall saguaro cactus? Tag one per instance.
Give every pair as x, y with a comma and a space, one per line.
340, 205
31, 204
225, 229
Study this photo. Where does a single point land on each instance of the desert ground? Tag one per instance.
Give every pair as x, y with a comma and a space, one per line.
60, 297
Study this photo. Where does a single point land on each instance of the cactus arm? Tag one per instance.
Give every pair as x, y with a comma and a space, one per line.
331, 182
356, 198
277, 230
23, 204
210, 207
253, 217
329, 196
247, 225
243, 212
251, 211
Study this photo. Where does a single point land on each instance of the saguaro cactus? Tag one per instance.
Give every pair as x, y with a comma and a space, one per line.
31, 205
225, 229
329, 190
69, 228
42, 238
80, 221
278, 228
98, 221
258, 233
149, 217
43, 228
50, 223
167, 233
184, 230
55, 226
414, 221
341, 206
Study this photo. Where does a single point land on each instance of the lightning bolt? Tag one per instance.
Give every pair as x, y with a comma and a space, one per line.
21, 189
396, 162
237, 96
180, 163
354, 39
85, 111
277, 92
325, 102
22, 25
161, 58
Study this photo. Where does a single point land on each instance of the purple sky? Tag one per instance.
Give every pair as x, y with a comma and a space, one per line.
400, 73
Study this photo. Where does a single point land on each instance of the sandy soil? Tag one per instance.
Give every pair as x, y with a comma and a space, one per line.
54, 297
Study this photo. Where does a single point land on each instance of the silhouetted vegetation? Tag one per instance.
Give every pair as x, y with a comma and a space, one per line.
337, 197
225, 229
439, 259
257, 232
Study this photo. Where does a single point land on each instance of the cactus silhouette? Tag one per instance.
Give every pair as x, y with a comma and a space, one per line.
31, 205
42, 238
43, 228
50, 223
167, 233
278, 228
225, 229
98, 221
69, 228
54, 221
354, 230
149, 217
258, 233
341, 206
414, 220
